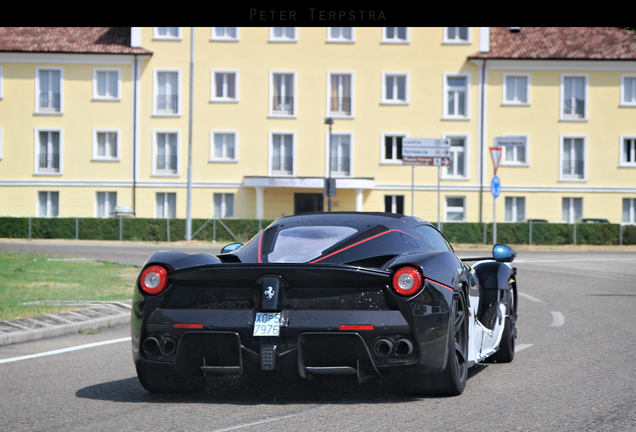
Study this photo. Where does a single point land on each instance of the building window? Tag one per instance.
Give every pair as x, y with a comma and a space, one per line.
458, 151
455, 209
515, 154
282, 91
282, 34
170, 33
106, 84
228, 34
394, 204
106, 203
340, 34
48, 152
166, 153
105, 144
572, 158
572, 209
515, 209
340, 95
516, 89
223, 148
395, 88
166, 205
49, 90
48, 204
395, 35
456, 97
223, 205
456, 35
340, 155
629, 210
573, 104
224, 86
628, 90
282, 154
628, 151
166, 93
392, 148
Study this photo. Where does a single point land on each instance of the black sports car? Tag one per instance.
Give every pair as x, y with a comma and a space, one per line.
361, 294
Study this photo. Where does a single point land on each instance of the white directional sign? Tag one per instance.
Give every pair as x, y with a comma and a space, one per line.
426, 151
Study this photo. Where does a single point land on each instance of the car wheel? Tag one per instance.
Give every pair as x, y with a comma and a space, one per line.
157, 379
452, 380
506, 351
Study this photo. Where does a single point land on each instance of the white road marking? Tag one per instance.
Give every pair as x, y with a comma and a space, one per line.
267, 420
64, 350
557, 319
529, 297
522, 347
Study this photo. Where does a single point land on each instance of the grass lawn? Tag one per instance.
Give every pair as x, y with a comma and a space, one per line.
30, 278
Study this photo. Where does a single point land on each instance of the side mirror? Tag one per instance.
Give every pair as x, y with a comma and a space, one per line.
503, 253
231, 247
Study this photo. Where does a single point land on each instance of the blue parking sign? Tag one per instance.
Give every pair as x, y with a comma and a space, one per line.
495, 186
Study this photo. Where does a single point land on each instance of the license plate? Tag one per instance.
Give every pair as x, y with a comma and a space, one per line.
266, 324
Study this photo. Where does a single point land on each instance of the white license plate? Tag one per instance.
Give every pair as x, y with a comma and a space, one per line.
266, 324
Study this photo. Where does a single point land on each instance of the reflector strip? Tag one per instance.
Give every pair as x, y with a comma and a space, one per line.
356, 327
188, 326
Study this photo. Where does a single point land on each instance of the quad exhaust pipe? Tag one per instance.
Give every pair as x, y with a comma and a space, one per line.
384, 348
167, 346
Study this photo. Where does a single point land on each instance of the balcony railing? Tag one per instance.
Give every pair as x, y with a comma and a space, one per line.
340, 105
167, 103
167, 164
340, 166
283, 105
49, 101
50, 162
282, 165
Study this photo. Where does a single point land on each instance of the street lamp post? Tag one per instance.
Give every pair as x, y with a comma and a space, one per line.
329, 121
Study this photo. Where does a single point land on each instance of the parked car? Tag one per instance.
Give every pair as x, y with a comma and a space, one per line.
536, 220
591, 220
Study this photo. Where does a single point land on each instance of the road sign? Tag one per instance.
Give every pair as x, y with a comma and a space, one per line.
510, 141
495, 187
495, 154
426, 161
426, 151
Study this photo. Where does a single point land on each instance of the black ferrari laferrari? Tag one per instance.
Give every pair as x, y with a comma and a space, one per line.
366, 295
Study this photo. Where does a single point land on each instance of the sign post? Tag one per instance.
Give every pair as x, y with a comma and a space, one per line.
426, 152
495, 189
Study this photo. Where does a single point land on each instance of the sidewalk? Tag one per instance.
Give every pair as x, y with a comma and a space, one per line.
102, 315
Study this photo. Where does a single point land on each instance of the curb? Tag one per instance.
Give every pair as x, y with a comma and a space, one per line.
64, 323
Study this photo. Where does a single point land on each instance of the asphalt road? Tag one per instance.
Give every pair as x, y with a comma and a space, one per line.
572, 372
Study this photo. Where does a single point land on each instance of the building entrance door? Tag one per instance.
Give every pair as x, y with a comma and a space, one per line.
308, 203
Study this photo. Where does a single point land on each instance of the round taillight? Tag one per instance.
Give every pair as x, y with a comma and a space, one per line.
154, 280
408, 281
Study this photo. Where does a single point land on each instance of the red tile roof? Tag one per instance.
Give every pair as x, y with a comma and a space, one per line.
580, 43
83, 40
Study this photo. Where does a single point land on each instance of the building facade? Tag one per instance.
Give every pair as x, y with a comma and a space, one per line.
94, 118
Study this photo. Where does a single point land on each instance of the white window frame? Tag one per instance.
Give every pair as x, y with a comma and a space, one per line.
0, 82
396, 39
446, 114
107, 196
157, 36
46, 111
96, 156
586, 100
563, 177
514, 200
224, 205
96, 95
272, 84
155, 153
622, 162
394, 207
36, 166
571, 212
383, 158
213, 134
624, 102
214, 37
466, 175
395, 100
47, 210
283, 39
504, 93
338, 174
341, 114
331, 39
447, 208
155, 93
457, 40
166, 207
270, 168
226, 99
515, 163
631, 204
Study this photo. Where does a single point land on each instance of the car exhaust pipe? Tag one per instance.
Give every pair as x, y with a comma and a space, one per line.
168, 346
151, 346
383, 348
403, 347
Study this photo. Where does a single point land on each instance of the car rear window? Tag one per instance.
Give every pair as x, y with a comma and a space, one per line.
303, 243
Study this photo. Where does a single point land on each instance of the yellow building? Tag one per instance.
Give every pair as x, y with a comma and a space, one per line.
93, 118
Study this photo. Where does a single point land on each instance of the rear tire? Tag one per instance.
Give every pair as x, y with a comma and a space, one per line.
506, 351
157, 379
